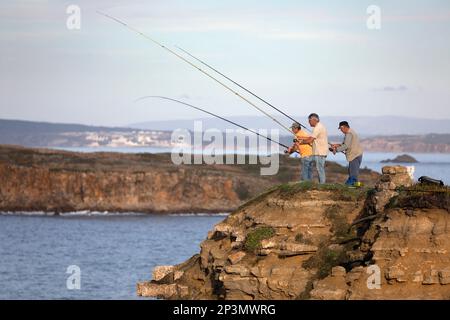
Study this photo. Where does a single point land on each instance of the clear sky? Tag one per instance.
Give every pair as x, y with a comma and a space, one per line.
303, 56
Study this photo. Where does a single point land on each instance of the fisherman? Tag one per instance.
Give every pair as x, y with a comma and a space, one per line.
305, 151
319, 140
353, 152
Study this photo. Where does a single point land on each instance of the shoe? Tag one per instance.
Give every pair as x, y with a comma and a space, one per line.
350, 181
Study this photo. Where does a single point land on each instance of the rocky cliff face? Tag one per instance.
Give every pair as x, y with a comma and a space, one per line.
302, 241
50, 180
430, 143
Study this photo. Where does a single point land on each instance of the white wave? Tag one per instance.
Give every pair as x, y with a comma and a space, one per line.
198, 214
26, 213
99, 214
87, 213
83, 213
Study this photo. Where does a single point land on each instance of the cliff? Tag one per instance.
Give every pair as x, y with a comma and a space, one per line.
44, 134
429, 143
51, 180
305, 241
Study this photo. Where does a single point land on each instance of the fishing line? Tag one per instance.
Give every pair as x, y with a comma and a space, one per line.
214, 115
193, 65
242, 87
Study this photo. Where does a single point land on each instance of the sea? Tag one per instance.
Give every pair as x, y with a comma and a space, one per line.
92, 256
102, 255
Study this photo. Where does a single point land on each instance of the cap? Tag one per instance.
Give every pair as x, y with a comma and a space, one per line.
296, 125
343, 123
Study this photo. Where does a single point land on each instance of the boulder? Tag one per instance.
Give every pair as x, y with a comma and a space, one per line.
236, 257
444, 276
330, 288
269, 244
177, 274
338, 271
152, 289
354, 274
417, 277
431, 277
159, 272
393, 170
292, 249
241, 270
396, 273
248, 285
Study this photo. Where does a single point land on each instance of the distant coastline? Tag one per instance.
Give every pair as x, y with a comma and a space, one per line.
61, 181
53, 135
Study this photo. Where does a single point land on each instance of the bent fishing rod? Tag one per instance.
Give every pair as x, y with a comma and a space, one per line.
194, 66
242, 87
214, 115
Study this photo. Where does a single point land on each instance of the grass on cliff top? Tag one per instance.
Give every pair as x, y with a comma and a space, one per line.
288, 190
340, 192
422, 196
253, 239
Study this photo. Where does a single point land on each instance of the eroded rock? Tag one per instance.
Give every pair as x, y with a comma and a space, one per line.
159, 272
409, 246
236, 257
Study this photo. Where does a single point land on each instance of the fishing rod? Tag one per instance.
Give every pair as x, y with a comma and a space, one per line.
194, 66
215, 115
242, 87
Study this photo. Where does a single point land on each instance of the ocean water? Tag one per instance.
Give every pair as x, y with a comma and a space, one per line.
112, 252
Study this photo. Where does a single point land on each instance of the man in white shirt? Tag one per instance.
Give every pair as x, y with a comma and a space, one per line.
319, 140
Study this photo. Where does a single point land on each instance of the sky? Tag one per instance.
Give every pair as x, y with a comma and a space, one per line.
302, 56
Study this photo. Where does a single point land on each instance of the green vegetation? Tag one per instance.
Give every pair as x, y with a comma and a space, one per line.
340, 192
253, 240
422, 196
330, 253
300, 238
290, 189
325, 259
340, 227
419, 187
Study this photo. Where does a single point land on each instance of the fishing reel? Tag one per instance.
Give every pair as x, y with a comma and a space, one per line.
295, 140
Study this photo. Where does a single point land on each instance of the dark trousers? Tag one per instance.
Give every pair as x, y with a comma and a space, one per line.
353, 169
